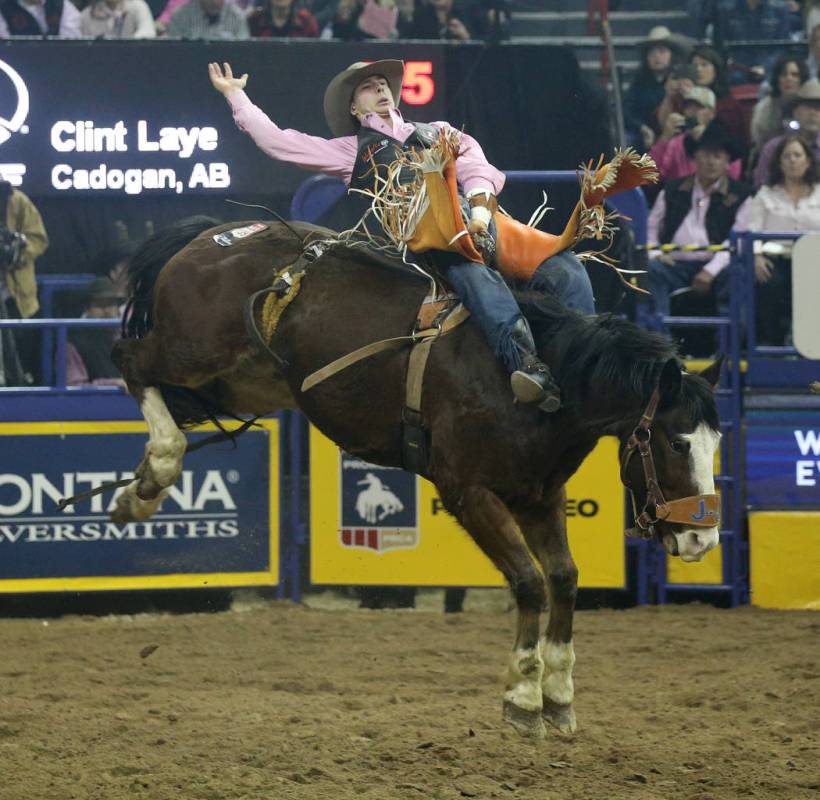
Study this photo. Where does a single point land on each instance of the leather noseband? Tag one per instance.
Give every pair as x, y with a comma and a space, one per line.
701, 510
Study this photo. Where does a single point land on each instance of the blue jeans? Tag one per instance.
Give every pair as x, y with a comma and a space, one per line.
667, 278
490, 301
565, 275
488, 298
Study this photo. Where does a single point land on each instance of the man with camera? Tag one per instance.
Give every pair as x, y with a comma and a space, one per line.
22, 239
672, 152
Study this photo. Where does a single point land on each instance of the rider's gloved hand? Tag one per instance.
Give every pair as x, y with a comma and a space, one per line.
483, 206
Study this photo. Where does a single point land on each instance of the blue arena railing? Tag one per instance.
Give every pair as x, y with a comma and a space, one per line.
49, 286
58, 326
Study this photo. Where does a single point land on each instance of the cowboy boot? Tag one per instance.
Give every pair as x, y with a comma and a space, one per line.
533, 383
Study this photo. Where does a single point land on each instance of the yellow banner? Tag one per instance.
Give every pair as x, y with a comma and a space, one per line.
380, 526
784, 559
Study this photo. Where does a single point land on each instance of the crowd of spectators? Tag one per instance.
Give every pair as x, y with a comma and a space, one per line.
735, 132
725, 162
352, 20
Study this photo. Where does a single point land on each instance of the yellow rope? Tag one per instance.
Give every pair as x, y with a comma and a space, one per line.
274, 306
687, 248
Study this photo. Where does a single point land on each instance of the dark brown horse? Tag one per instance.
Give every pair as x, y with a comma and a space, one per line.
499, 468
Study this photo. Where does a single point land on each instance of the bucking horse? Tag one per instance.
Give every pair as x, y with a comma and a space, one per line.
192, 350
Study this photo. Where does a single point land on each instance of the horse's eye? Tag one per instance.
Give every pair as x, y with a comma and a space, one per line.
680, 446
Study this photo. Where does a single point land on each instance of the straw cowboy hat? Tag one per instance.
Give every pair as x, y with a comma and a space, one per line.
661, 35
339, 92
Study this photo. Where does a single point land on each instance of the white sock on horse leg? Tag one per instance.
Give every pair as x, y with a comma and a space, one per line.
166, 443
525, 672
559, 659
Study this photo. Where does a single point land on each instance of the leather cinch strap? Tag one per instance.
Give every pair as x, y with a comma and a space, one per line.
455, 319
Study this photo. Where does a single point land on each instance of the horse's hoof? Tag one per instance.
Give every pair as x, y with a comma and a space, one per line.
559, 715
526, 723
120, 516
148, 490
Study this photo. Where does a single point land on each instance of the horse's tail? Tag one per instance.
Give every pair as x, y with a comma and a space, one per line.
145, 265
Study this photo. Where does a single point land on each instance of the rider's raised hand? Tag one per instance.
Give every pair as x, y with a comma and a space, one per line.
224, 81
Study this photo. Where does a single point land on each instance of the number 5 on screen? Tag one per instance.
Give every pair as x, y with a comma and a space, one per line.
419, 86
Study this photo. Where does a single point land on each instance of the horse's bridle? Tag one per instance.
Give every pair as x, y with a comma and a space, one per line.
702, 510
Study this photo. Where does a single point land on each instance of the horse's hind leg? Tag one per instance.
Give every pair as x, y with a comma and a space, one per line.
162, 463
545, 529
493, 528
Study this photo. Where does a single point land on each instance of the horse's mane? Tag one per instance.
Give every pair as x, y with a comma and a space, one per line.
603, 353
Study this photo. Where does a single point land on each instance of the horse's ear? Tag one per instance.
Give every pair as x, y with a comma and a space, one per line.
670, 381
712, 373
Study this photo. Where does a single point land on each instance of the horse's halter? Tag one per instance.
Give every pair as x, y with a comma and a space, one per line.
701, 510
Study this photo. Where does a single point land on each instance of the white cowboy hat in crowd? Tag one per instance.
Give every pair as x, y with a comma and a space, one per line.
339, 92
661, 35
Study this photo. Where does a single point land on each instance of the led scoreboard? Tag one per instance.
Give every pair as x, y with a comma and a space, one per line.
138, 118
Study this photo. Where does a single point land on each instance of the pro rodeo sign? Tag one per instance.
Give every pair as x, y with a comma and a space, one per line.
376, 525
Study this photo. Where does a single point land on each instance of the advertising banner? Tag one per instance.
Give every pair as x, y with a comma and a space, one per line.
219, 526
142, 118
382, 526
784, 559
783, 461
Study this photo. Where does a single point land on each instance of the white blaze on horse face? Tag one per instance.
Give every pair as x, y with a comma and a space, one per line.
695, 543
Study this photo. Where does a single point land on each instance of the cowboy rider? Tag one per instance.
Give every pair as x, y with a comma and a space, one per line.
360, 106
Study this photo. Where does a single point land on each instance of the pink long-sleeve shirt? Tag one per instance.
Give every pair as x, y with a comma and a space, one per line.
674, 162
337, 157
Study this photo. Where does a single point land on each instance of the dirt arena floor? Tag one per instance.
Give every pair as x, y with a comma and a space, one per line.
272, 701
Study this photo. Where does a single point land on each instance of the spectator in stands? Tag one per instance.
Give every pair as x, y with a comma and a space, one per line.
805, 120
112, 263
322, 10
811, 12
457, 20
281, 19
681, 79
790, 201
813, 61
356, 20
673, 150
208, 19
39, 18
118, 19
768, 118
698, 210
22, 240
89, 349
752, 20
711, 73
658, 52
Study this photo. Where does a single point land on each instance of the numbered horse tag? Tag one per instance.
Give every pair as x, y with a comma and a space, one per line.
227, 238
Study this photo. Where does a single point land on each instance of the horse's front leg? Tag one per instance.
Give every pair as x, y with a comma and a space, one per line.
545, 530
493, 528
